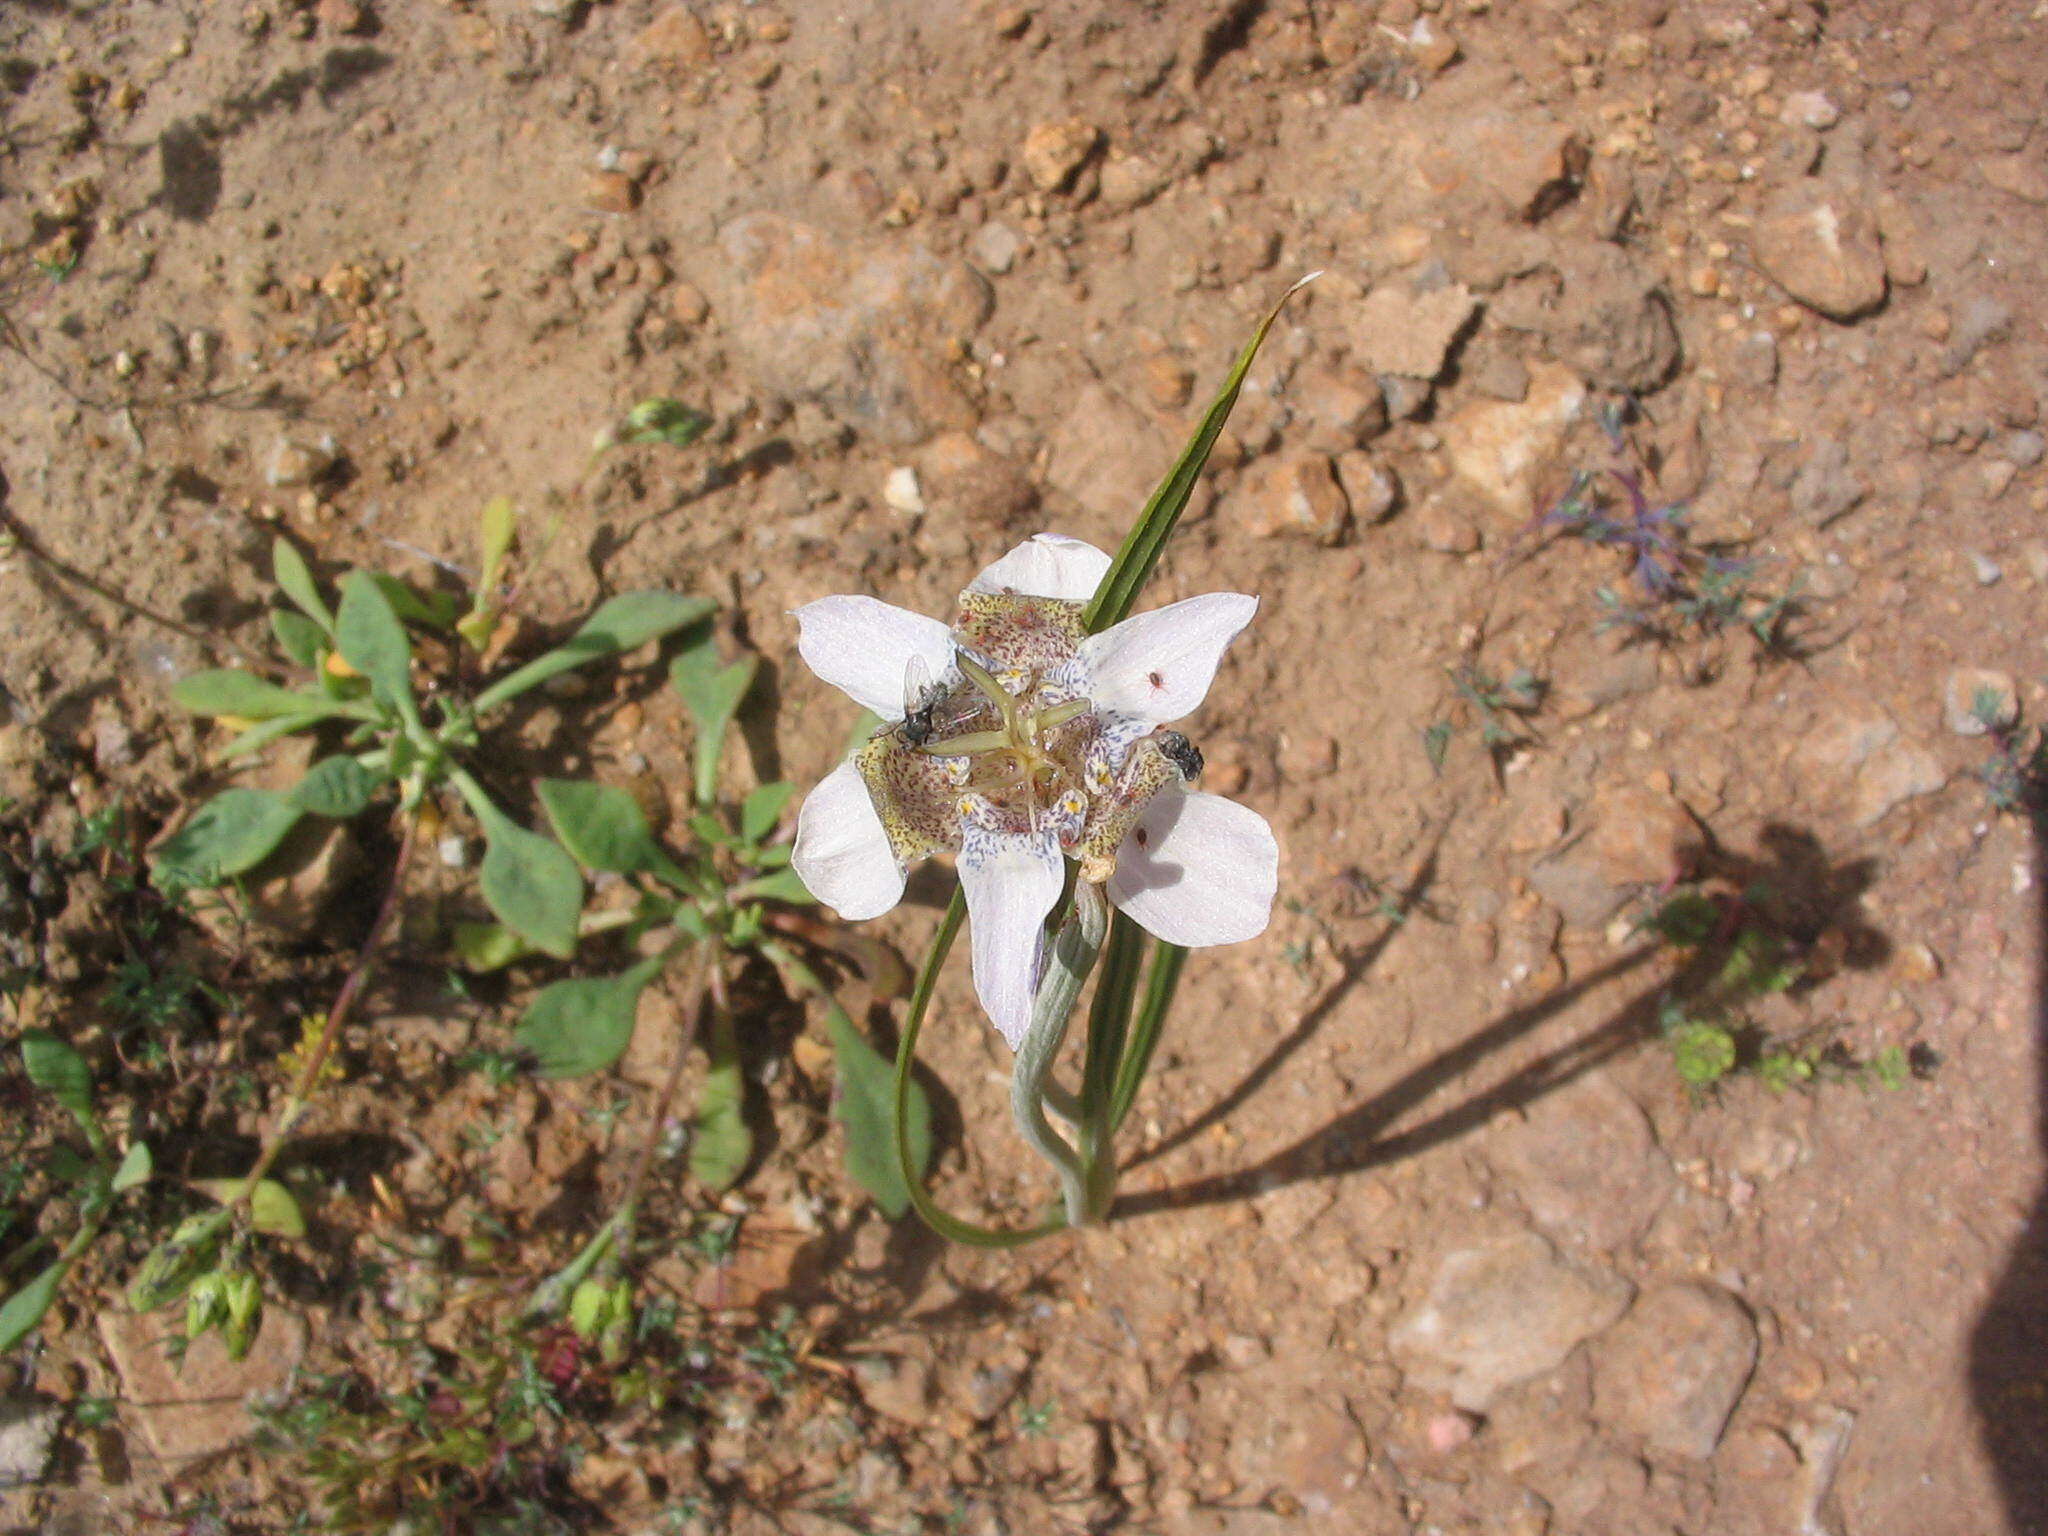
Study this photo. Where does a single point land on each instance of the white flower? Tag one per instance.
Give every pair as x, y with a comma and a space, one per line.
1015, 739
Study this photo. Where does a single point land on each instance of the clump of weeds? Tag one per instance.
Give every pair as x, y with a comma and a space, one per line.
1675, 585
1734, 960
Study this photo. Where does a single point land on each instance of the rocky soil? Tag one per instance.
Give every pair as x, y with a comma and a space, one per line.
1423, 1230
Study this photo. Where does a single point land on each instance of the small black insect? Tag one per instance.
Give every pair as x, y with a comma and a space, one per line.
1185, 756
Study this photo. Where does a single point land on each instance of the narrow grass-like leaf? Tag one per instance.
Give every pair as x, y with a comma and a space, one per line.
372, 640
576, 1027
295, 580
272, 1210
619, 624
1140, 552
723, 1141
20, 1313
56, 1068
229, 835
762, 809
712, 693
1160, 982
337, 787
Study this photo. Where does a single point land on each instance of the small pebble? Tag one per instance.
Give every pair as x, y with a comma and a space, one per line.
901, 491
1986, 569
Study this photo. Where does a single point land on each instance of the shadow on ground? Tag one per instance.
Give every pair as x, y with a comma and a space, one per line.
1802, 894
2009, 1349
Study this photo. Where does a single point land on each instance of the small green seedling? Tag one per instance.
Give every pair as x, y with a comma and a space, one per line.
94, 1181
397, 748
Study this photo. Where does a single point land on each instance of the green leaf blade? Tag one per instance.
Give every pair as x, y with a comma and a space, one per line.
601, 824
864, 1109
1141, 549
762, 809
295, 580
56, 1068
533, 887
372, 640
620, 624
224, 691
574, 1028
712, 693
723, 1143
335, 787
22, 1311
229, 835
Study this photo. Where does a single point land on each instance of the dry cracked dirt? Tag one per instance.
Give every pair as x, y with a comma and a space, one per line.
1423, 1230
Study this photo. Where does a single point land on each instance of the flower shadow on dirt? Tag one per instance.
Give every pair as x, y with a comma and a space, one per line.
2009, 1344
1808, 893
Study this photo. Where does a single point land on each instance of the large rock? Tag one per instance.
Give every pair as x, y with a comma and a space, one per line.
1293, 494
28, 1433
1878, 769
1674, 1368
197, 1406
1501, 448
1612, 322
1403, 332
1107, 454
1820, 244
863, 332
1505, 1311
1586, 1164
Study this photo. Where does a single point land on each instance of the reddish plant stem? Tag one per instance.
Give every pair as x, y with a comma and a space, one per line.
692, 1018
344, 1000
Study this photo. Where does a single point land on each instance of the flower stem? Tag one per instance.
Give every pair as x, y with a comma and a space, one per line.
1073, 957
942, 1222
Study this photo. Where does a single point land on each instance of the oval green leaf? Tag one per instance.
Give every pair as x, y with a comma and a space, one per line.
295, 580
229, 835
864, 1112
58, 1070
297, 636
762, 809
338, 787
25, 1308
370, 637
226, 691
577, 1027
272, 1210
723, 1141
619, 624
600, 824
532, 887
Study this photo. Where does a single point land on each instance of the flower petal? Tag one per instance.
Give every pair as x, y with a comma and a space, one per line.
842, 851
1157, 666
864, 647
1198, 869
1046, 565
1012, 880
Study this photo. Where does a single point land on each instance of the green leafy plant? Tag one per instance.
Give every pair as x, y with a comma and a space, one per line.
707, 904
93, 1182
1734, 960
401, 749
1500, 711
359, 654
